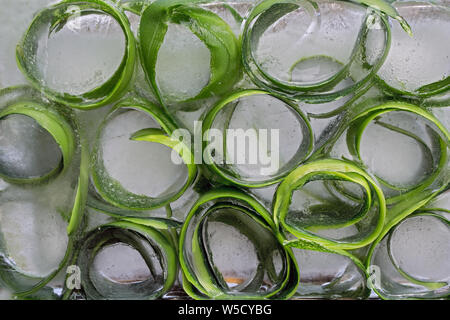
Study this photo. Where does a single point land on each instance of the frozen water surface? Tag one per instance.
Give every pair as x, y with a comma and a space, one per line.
121, 263
236, 247
395, 157
327, 274
34, 236
87, 50
24, 11
26, 149
120, 271
421, 247
80, 56
424, 58
256, 112
305, 33
232, 253
183, 65
418, 247
141, 167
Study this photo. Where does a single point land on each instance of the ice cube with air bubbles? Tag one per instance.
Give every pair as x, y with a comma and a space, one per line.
26, 149
141, 167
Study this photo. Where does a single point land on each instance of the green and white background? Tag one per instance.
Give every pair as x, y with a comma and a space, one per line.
400, 149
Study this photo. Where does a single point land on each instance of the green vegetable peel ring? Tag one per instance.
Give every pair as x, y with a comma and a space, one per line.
138, 217
298, 158
24, 100
17, 101
428, 284
111, 190
361, 121
311, 92
24, 285
313, 246
423, 92
131, 234
202, 284
111, 89
442, 83
397, 213
207, 26
400, 214
378, 216
335, 170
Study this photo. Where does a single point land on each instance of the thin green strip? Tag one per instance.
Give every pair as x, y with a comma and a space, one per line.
104, 94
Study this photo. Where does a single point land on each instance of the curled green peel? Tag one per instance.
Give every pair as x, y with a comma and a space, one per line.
388, 9
201, 279
427, 284
104, 94
207, 26
51, 121
111, 190
334, 170
414, 206
228, 176
131, 216
326, 90
362, 120
435, 82
25, 101
137, 236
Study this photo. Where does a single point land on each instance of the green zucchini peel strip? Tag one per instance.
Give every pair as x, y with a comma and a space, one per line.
362, 120
331, 169
133, 235
427, 284
24, 100
416, 206
50, 120
318, 92
313, 246
131, 216
111, 190
109, 91
207, 26
441, 84
227, 175
388, 9
200, 279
